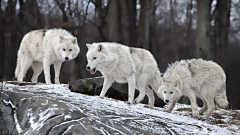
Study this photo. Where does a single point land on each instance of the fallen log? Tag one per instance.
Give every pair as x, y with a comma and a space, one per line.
93, 86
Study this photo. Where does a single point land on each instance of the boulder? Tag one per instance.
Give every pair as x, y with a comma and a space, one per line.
54, 109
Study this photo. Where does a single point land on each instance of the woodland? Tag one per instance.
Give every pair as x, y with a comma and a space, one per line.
170, 29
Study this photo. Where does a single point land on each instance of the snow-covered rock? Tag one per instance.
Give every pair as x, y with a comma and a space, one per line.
54, 109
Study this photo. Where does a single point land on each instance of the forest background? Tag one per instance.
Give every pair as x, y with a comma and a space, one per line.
171, 29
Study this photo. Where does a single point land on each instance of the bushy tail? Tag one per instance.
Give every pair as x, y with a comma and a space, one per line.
221, 98
17, 70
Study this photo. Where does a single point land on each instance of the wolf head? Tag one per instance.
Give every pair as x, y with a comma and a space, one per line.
68, 48
96, 57
170, 91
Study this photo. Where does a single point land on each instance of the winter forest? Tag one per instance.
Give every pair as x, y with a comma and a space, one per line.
170, 29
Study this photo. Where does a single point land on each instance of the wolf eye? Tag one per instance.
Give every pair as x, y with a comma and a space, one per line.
94, 58
165, 92
70, 50
64, 49
171, 92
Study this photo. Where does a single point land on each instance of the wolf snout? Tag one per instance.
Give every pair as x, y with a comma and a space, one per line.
87, 67
66, 58
166, 101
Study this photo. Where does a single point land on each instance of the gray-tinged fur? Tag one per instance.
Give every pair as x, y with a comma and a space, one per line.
195, 77
123, 64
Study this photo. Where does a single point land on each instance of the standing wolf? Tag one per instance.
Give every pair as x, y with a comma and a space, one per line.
124, 64
41, 48
195, 77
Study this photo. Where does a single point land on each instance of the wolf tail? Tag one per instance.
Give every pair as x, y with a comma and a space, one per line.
221, 98
17, 70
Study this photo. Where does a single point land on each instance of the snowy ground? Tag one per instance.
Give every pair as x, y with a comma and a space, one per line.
121, 118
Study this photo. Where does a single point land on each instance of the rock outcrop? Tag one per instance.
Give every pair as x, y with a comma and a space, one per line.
53, 109
49, 109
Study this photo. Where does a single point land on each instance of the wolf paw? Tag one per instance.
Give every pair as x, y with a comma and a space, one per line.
148, 106
128, 102
201, 117
204, 116
48, 83
57, 82
102, 97
167, 110
136, 101
195, 114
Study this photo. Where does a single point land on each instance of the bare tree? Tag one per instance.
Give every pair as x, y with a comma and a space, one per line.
189, 27
172, 3
132, 18
113, 21
144, 24
221, 17
101, 12
203, 42
62, 7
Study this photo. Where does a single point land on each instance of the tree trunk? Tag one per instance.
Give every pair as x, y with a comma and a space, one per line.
221, 18
144, 24
172, 14
124, 22
189, 27
2, 46
114, 21
61, 5
203, 43
132, 18
9, 39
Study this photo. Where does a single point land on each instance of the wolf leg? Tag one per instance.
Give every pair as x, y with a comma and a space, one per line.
46, 66
151, 98
141, 93
204, 108
37, 69
57, 67
106, 85
210, 108
171, 106
209, 98
193, 101
131, 88
25, 62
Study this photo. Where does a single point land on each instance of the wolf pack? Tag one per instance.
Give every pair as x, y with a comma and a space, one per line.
120, 63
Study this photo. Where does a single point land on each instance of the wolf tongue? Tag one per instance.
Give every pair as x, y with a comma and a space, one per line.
91, 71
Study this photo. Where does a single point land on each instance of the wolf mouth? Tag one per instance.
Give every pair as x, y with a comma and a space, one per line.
93, 71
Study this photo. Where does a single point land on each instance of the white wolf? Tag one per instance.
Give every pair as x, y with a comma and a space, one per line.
124, 64
191, 78
41, 48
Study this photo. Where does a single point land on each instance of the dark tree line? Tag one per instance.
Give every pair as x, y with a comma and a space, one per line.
170, 29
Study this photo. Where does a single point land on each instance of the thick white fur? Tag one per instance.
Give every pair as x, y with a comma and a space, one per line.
41, 48
124, 64
195, 77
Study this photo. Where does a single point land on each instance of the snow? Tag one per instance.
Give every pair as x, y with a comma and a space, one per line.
42, 117
14, 115
177, 121
67, 117
67, 129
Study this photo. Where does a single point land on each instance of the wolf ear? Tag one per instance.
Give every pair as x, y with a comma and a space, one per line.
74, 40
88, 45
100, 47
61, 39
177, 83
